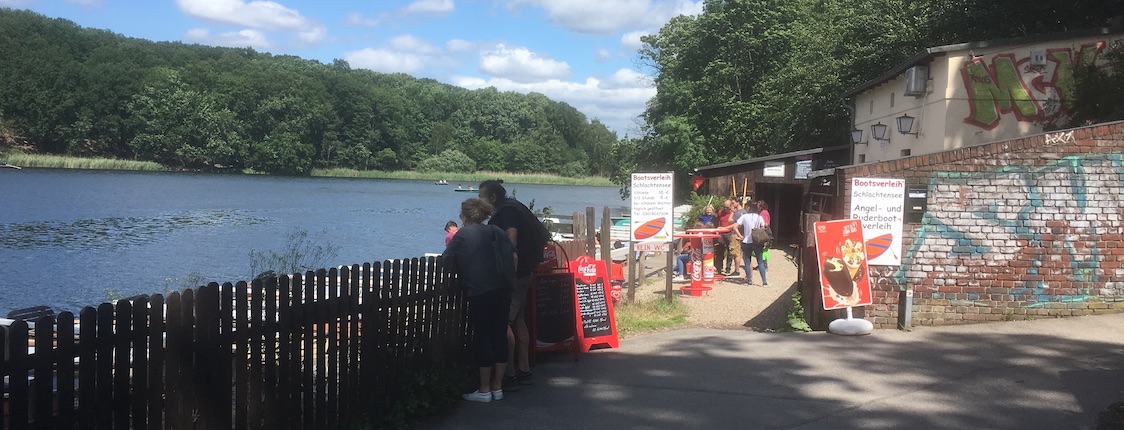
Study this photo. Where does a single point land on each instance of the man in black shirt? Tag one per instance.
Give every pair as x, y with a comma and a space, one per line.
515, 219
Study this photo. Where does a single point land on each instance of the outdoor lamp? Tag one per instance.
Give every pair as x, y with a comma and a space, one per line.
878, 131
905, 124
857, 136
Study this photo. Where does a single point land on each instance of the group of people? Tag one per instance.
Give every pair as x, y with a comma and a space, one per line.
735, 245
493, 262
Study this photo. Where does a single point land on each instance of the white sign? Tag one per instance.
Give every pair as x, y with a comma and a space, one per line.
774, 169
880, 204
653, 247
653, 213
803, 167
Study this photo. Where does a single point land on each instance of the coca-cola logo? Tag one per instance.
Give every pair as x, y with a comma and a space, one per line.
587, 270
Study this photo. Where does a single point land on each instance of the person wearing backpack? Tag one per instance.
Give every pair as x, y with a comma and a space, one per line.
529, 236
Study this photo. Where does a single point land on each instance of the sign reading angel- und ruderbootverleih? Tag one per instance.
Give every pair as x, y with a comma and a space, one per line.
841, 252
880, 204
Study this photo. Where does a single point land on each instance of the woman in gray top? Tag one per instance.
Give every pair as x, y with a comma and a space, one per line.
483, 259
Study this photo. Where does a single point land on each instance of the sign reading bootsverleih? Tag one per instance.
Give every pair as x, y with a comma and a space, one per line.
653, 213
880, 204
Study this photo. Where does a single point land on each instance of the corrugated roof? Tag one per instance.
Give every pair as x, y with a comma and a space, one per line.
769, 158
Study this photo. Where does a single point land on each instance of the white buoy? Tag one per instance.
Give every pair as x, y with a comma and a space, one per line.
850, 326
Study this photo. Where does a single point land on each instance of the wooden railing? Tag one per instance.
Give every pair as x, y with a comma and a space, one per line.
325, 350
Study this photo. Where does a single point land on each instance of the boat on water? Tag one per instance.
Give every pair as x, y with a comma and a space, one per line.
440, 182
9, 166
465, 190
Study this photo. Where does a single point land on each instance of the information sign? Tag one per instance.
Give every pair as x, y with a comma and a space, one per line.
880, 203
653, 213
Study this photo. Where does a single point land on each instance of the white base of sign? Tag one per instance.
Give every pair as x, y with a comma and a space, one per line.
850, 326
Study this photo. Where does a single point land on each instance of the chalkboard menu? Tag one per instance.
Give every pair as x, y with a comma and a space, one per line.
553, 309
594, 307
594, 325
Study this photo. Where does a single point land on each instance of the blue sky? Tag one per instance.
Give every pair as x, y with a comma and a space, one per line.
582, 52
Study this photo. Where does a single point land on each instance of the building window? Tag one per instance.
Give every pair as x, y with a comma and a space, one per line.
872, 106
862, 158
905, 153
891, 99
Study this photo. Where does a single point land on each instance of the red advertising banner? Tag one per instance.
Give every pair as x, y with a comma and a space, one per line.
844, 281
593, 305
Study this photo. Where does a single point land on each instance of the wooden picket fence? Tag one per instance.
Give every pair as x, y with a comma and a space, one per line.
330, 349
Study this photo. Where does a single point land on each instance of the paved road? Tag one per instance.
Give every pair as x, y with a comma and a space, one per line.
1042, 374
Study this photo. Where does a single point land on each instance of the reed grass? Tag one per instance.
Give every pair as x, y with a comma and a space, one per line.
650, 315
466, 178
64, 162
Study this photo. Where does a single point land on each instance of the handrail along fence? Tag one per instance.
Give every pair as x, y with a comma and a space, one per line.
329, 349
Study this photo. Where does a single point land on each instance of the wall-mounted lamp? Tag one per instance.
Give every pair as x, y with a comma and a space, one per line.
857, 137
905, 124
878, 131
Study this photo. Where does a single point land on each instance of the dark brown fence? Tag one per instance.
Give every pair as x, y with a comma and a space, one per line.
326, 350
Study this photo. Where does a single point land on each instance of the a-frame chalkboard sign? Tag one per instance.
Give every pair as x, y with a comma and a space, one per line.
595, 324
552, 311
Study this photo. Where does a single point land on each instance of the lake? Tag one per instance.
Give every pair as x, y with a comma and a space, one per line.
75, 238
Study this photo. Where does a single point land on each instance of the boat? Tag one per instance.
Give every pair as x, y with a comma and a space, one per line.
441, 182
9, 166
466, 190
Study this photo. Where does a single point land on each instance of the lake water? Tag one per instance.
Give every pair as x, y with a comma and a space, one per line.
74, 238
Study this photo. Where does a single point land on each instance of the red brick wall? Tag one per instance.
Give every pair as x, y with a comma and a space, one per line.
1021, 229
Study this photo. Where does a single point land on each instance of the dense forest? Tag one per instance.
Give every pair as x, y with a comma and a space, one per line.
750, 78
69, 90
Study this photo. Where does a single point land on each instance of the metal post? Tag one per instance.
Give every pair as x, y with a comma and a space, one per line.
671, 253
905, 309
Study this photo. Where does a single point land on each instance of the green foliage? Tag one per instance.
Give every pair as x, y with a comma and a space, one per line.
449, 160
302, 252
91, 93
795, 320
1097, 94
21, 159
426, 394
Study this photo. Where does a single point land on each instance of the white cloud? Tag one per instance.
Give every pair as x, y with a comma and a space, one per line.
631, 40
606, 17
616, 101
357, 19
459, 45
408, 43
521, 65
235, 39
430, 7
16, 3
603, 55
385, 60
266, 15
85, 3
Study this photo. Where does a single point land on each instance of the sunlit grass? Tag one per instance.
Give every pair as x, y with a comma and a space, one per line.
21, 159
466, 179
650, 315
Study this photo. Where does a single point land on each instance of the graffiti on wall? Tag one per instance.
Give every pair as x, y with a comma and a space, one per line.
1038, 228
1032, 89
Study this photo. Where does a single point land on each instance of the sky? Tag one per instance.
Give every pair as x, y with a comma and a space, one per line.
581, 52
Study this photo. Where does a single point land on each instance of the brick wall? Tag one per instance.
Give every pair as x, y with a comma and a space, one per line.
1021, 229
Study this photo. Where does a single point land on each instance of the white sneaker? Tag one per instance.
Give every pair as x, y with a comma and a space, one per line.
497, 395
477, 396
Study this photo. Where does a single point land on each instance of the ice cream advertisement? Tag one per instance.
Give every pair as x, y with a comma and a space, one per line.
844, 281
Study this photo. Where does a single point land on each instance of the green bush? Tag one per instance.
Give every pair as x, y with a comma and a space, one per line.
449, 160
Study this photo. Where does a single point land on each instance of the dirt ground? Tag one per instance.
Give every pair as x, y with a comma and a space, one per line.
731, 303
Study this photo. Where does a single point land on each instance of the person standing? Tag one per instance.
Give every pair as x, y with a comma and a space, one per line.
734, 256
763, 210
484, 261
748, 222
723, 244
516, 220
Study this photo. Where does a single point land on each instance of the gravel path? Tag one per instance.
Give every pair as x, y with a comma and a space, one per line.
732, 304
